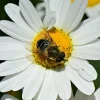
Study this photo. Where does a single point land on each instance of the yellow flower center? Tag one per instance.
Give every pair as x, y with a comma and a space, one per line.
91, 3
56, 52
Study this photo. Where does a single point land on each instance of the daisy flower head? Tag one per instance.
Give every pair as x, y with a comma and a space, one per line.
44, 58
78, 96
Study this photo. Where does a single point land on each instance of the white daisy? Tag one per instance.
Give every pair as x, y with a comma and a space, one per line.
79, 96
31, 64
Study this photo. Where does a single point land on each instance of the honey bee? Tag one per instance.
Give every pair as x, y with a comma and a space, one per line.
51, 51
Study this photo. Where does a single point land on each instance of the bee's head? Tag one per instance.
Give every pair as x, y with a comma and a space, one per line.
42, 44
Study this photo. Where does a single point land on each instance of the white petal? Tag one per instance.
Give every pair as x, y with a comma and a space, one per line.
83, 85
74, 15
12, 55
93, 21
14, 13
66, 99
40, 7
63, 84
90, 51
90, 20
8, 97
33, 87
53, 4
47, 7
93, 11
95, 96
15, 31
24, 79
12, 67
49, 20
61, 11
80, 96
84, 69
11, 49
48, 90
8, 39
12, 46
8, 81
61, 8
30, 14
84, 34
71, 98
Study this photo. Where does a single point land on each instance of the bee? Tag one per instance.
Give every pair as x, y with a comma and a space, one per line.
51, 51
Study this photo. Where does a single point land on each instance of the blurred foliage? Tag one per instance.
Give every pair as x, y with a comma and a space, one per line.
3, 16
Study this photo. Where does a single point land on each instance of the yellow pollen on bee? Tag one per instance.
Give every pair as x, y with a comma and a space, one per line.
91, 3
60, 39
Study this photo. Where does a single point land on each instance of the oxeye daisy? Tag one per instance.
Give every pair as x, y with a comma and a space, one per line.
44, 58
78, 96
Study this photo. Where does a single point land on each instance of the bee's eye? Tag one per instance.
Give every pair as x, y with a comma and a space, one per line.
42, 44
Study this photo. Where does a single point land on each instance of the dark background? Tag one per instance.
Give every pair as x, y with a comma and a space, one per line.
3, 16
